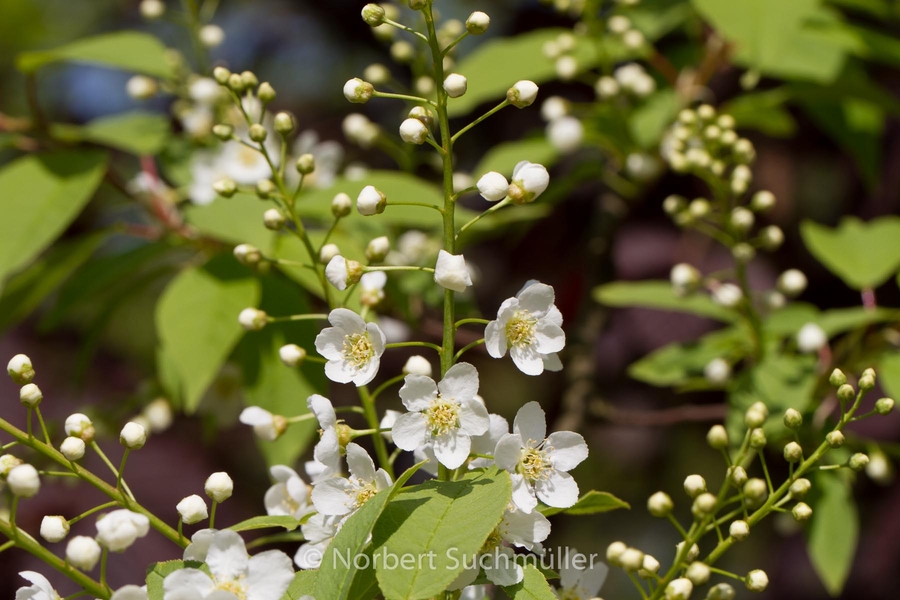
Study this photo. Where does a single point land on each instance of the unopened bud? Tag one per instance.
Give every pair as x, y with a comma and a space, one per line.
762, 201
800, 488
266, 93
264, 189
30, 395
755, 489
614, 551
258, 133
721, 591
739, 530
223, 132
631, 559
737, 475
20, 369
717, 437
221, 75
284, 123
133, 436
378, 249
858, 462
358, 91
273, 219
373, 14
225, 188
846, 392
758, 439
792, 419
703, 505
801, 512
306, 164
54, 529
252, 319
341, 205
793, 452
219, 487
80, 426
837, 378
72, 448
884, 406
477, 23
757, 581
522, 94
679, 589
660, 504
247, 254
694, 485
698, 573
292, 355
835, 439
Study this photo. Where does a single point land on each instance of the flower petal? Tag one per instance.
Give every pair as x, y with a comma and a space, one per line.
227, 556
269, 575
187, 584
340, 371
537, 299
548, 337
522, 493
460, 382
473, 417
330, 343
501, 568
531, 424
255, 416
552, 362
360, 463
417, 392
559, 491
527, 359
282, 473
346, 319
409, 431
566, 450
452, 448
334, 496
508, 451
323, 409
495, 340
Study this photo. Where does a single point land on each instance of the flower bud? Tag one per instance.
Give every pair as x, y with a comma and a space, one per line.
292, 355
721, 591
762, 201
846, 393
30, 395
373, 14
219, 487
247, 254
792, 419
403, 52
264, 189
793, 452
252, 319
377, 249
801, 512
141, 87
698, 573
133, 436
837, 378
660, 504
192, 509
679, 589
413, 131
258, 133
737, 475
692, 554
758, 439
649, 565
717, 437
477, 23
835, 439
152, 9
739, 530
755, 490
703, 505
523, 93
771, 237
54, 528
857, 462
273, 219
800, 488
211, 36
20, 369
684, 278
727, 295
358, 91
306, 164
417, 365
83, 552
884, 406
341, 205
493, 186
742, 219
249, 80
631, 559
417, 4
221, 75
328, 252
223, 132
614, 551
757, 581
284, 123
235, 83
717, 371
694, 485
455, 85
371, 201
159, 415
23, 481
743, 252
72, 448
225, 188
529, 180
266, 93
754, 417
342, 273
451, 272
78, 425
866, 382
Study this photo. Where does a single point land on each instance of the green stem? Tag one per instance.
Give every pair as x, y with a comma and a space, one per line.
405, 28
415, 99
496, 109
371, 415
475, 321
121, 471
96, 509
413, 203
468, 347
453, 44
386, 385
112, 469
103, 558
37, 410
477, 218
307, 317
212, 515
435, 347
397, 268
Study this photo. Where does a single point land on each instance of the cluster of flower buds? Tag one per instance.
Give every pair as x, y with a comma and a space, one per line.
621, 27
561, 51
705, 142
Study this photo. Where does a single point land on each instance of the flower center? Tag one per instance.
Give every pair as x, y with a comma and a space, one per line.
571, 594
358, 349
534, 464
442, 416
520, 329
494, 541
235, 586
364, 493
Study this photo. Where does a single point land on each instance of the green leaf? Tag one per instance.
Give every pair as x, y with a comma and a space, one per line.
789, 320
138, 132
763, 111
781, 47
267, 522
157, 572
659, 295
533, 587
271, 385
857, 126
41, 195
236, 220
196, 320
435, 519
592, 503
28, 289
649, 121
128, 50
304, 584
863, 255
503, 158
336, 575
834, 532
889, 373
876, 8
676, 364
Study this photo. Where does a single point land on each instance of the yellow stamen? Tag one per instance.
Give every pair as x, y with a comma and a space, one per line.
520, 329
442, 416
358, 349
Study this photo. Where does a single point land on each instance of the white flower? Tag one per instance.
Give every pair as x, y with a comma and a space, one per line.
219, 487
328, 155
417, 365
40, 590
205, 90
444, 416
451, 272
565, 134
727, 295
370, 201
211, 36
387, 422
342, 272
539, 465
328, 450
133, 436
455, 85
493, 186
289, 495
340, 496
318, 532
54, 528
72, 448
580, 584
530, 326
141, 87
130, 592
119, 529
352, 347
265, 576
522, 94
529, 180
23, 481
83, 552
811, 338
717, 371
413, 131
265, 425
192, 509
